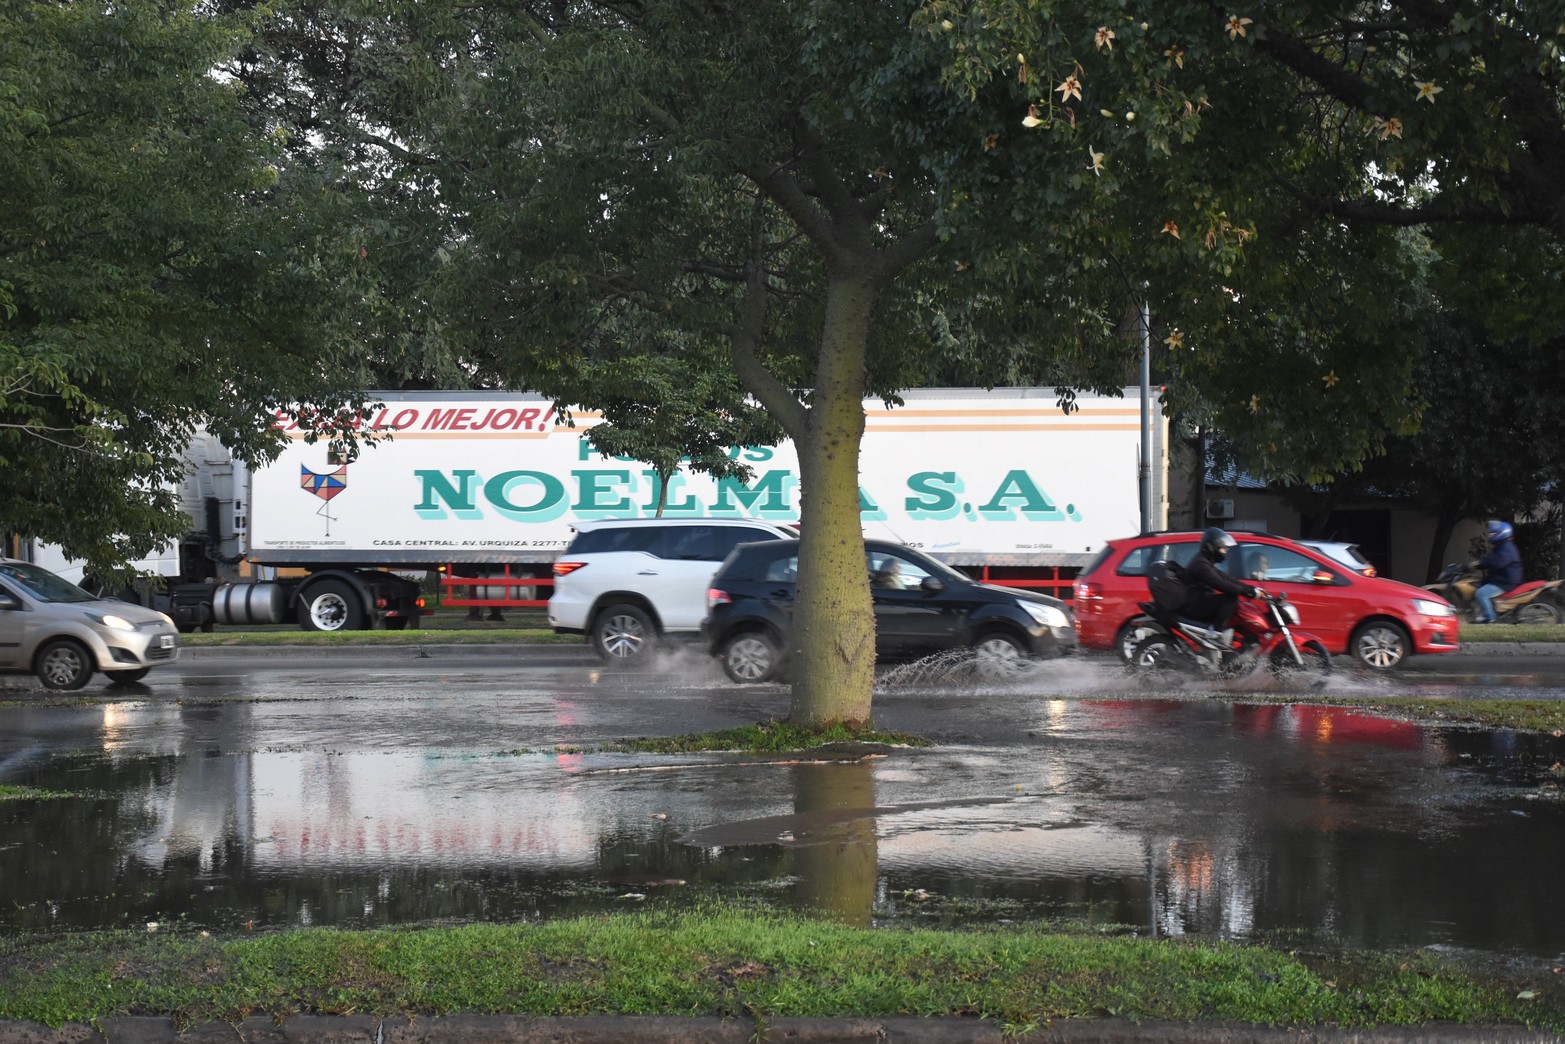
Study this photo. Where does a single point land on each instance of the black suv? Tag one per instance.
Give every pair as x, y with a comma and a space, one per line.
921, 607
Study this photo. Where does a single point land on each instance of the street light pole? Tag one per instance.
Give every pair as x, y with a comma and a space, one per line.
1146, 418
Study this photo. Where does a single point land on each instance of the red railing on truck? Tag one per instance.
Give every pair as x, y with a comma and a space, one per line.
1048, 579
517, 591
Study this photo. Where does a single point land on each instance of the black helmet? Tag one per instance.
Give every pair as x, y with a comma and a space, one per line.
1215, 543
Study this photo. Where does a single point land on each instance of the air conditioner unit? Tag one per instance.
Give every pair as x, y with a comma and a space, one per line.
1220, 508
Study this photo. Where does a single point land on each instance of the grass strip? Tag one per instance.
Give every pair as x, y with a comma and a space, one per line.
1500, 632
730, 962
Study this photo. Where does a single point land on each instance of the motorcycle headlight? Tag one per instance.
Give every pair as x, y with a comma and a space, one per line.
1429, 608
1044, 614
1291, 612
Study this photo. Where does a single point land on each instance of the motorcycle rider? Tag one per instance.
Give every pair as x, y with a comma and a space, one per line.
1214, 595
1502, 569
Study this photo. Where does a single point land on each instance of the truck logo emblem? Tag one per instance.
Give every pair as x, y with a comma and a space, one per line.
325, 485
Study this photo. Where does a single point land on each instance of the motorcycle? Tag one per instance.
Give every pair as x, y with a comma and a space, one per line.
1263, 634
1535, 602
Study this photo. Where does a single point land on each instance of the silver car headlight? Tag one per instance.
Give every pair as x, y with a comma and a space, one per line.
1429, 608
1045, 614
117, 623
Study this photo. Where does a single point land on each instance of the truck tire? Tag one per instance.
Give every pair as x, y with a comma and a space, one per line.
624, 634
331, 605
63, 665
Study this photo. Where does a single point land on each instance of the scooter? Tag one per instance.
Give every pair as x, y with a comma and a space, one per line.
1263, 634
1535, 602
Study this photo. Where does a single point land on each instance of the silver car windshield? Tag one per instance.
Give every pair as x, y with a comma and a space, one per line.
42, 584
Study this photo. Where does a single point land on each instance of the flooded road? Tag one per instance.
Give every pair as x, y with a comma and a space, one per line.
356, 789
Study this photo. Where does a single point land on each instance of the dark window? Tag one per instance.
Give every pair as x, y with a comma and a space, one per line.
613, 538
1137, 561
783, 570
726, 538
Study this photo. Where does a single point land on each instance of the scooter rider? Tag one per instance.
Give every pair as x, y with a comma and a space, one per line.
1502, 569
1214, 594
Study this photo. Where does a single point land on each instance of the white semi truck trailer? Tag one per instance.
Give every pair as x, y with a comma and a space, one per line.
484, 487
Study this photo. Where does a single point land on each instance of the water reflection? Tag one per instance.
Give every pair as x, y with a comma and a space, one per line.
1174, 817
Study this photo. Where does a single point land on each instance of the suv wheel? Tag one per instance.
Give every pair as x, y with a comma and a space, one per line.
751, 657
623, 633
64, 665
1380, 645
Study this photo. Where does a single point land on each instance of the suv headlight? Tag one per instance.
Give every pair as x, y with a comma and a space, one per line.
1429, 608
117, 623
1045, 614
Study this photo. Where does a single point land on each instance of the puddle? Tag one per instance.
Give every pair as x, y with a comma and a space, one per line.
1172, 816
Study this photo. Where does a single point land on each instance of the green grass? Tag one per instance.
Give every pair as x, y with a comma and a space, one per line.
733, 962
12, 792
1500, 632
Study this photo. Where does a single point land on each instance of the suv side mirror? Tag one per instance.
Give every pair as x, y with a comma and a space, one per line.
932, 584
9, 601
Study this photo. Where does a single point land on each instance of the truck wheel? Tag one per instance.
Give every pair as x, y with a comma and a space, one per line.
332, 606
63, 665
135, 674
623, 634
1380, 645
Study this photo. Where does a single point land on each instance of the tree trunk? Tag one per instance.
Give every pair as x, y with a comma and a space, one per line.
663, 480
833, 654
1445, 525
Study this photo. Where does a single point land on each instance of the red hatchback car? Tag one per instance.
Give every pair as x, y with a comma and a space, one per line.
1379, 622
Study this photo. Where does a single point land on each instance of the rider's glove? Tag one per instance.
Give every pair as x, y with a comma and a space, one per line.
1253, 592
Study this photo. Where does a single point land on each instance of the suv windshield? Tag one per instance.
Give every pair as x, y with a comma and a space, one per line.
42, 584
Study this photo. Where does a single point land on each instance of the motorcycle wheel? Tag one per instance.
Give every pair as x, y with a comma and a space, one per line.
1538, 613
1156, 654
1317, 663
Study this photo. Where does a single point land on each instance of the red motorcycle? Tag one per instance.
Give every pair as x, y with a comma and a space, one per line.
1263, 635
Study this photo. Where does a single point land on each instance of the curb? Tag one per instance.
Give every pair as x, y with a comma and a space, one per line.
609, 1029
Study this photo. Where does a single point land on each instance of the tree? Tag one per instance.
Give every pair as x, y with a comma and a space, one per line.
664, 411
157, 271
801, 183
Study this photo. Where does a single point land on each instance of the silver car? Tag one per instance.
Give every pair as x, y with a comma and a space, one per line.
51, 628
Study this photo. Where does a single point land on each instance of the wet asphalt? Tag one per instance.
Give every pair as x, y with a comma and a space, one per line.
1190, 815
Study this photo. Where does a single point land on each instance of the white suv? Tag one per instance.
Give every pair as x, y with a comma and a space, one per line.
627, 583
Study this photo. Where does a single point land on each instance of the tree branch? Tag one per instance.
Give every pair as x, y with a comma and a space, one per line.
745, 336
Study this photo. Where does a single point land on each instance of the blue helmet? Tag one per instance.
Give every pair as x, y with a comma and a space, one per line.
1498, 532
